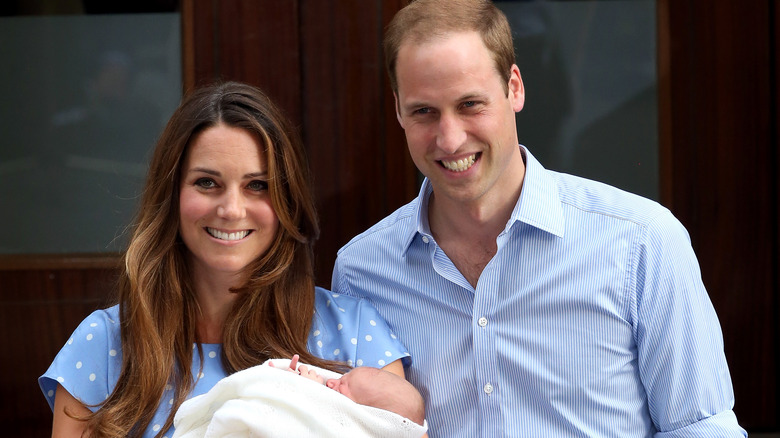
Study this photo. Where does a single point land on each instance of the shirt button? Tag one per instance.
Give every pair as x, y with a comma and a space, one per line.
482, 322
488, 388
425, 239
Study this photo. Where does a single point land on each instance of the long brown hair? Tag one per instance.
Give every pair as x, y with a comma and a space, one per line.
272, 314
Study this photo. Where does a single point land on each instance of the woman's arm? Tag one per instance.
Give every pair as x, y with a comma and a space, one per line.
395, 367
63, 425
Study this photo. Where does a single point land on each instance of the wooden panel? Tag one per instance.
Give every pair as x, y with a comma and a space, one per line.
717, 90
401, 174
250, 41
355, 145
39, 309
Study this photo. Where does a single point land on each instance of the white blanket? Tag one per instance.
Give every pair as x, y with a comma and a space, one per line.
270, 402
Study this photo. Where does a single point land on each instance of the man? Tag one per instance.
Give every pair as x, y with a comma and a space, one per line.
533, 303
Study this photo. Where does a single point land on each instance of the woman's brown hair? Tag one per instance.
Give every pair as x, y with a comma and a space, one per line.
272, 314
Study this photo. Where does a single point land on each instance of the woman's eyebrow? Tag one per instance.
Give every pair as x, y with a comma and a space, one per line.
213, 172
205, 170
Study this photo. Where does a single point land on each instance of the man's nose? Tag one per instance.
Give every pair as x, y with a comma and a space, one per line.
451, 134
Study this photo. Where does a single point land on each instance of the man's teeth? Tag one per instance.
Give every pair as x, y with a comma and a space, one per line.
460, 165
221, 235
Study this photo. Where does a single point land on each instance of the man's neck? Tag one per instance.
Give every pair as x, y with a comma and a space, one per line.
467, 232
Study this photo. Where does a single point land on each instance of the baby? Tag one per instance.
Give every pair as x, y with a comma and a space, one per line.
267, 401
371, 387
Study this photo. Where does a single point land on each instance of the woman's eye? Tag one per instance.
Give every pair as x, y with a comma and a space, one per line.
257, 185
205, 183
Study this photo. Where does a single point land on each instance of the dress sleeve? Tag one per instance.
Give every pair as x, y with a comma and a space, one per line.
377, 345
350, 330
87, 365
679, 342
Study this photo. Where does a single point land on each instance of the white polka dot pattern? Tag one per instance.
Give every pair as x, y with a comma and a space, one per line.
88, 365
361, 334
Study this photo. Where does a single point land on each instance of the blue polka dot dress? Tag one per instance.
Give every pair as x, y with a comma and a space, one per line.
344, 329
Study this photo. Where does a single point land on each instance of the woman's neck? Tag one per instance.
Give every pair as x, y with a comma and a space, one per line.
215, 301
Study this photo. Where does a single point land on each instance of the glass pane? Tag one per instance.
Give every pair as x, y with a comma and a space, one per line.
85, 97
589, 69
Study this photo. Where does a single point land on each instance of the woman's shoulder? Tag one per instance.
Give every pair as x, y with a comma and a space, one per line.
327, 300
88, 363
103, 323
350, 330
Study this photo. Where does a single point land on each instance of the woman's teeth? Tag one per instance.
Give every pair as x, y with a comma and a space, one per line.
221, 235
460, 165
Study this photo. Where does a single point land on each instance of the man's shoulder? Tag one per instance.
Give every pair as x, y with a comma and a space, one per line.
587, 196
395, 227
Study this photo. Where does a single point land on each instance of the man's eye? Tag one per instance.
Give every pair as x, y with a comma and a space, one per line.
257, 185
422, 111
205, 183
469, 104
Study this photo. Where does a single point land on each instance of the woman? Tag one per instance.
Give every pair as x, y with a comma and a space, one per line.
218, 277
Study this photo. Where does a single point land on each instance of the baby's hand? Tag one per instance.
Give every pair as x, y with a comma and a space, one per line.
303, 370
310, 374
293, 367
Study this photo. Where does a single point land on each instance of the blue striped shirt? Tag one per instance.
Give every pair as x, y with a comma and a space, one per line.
590, 321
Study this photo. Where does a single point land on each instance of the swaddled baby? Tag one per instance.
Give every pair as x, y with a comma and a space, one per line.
371, 387
268, 401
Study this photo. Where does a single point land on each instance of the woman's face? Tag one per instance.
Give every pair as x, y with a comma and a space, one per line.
226, 219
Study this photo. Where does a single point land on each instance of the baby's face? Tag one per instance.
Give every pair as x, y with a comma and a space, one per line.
354, 382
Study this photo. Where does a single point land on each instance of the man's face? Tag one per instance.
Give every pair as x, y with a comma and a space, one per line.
459, 121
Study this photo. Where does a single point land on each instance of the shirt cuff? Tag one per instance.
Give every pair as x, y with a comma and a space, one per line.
723, 424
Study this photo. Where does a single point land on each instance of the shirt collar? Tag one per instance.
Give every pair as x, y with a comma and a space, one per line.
420, 213
539, 204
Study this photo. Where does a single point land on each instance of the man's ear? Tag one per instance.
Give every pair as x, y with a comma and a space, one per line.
516, 89
397, 109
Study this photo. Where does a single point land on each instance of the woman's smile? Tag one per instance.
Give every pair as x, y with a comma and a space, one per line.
230, 236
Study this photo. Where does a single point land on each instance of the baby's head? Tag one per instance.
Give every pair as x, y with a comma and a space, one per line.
383, 390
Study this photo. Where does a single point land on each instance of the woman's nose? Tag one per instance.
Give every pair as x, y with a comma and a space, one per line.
231, 206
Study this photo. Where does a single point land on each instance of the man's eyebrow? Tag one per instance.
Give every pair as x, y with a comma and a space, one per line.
472, 96
414, 105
